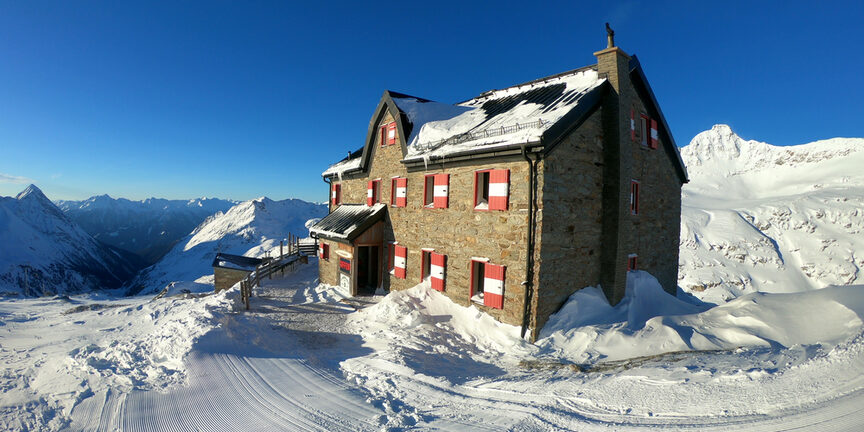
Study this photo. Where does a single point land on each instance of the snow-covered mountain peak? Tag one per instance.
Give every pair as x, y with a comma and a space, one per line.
32, 192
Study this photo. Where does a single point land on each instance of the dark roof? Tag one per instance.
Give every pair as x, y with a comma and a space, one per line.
348, 221
237, 262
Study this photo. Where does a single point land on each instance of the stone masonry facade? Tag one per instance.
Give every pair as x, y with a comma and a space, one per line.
584, 229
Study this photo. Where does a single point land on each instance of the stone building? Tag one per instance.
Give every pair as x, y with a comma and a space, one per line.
229, 269
512, 200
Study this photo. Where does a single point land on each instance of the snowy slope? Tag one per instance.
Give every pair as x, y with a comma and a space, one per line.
758, 217
44, 252
148, 228
252, 228
305, 358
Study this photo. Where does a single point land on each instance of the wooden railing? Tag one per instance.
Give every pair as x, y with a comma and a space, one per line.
289, 255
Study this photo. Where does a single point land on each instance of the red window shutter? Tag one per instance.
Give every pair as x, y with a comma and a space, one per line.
326, 251
437, 265
370, 192
399, 261
321, 251
499, 189
654, 137
333, 195
493, 286
632, 125
401, 192
391, 133
441, 191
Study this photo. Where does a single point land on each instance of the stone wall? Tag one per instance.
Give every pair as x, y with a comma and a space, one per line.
328, 269
571, 218
459, 232
654, 233
224, 278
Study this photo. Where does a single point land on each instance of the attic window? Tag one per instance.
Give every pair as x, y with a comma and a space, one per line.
648, 131
644, 133
388, 134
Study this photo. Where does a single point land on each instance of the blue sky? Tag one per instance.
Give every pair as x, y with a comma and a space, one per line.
243, 99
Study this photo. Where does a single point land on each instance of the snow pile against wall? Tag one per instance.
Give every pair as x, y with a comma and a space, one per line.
649, 322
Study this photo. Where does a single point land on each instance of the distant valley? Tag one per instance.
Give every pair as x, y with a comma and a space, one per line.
147, 228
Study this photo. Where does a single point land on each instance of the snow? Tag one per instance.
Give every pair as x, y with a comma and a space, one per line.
307, 358
339, 168
762, 218
419, 113
252, 228
447, 136
43, 251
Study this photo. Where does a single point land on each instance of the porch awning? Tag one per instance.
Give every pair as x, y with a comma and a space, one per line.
348, 221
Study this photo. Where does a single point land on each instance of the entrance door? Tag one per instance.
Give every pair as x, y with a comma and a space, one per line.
368, 269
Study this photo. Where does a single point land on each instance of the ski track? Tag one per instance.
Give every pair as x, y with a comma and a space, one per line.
229, 392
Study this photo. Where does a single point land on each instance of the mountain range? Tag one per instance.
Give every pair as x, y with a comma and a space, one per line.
758, 217
44, 252
147, 228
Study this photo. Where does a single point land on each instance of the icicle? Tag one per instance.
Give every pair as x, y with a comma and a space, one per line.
426, 162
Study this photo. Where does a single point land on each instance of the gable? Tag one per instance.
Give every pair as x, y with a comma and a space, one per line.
643, 89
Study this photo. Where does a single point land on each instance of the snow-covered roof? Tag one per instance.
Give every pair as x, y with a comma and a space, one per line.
236, 262
348, 221
514, 115
497, 118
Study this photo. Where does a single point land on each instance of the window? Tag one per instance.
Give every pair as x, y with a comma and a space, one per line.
632, 125
425, 264
391, 133
436, 191
634, 197
644, 133
388, 134
373, 192
324, 251
428, 188
487, 283
648, 131
632, 264
398, 191
438, 264
336, 194
491, 189
400, 257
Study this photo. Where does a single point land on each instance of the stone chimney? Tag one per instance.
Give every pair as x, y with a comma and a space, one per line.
614, 64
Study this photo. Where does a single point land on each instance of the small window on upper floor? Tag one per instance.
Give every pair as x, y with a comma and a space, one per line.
373, 192
644, 133
387, 133
634, 197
